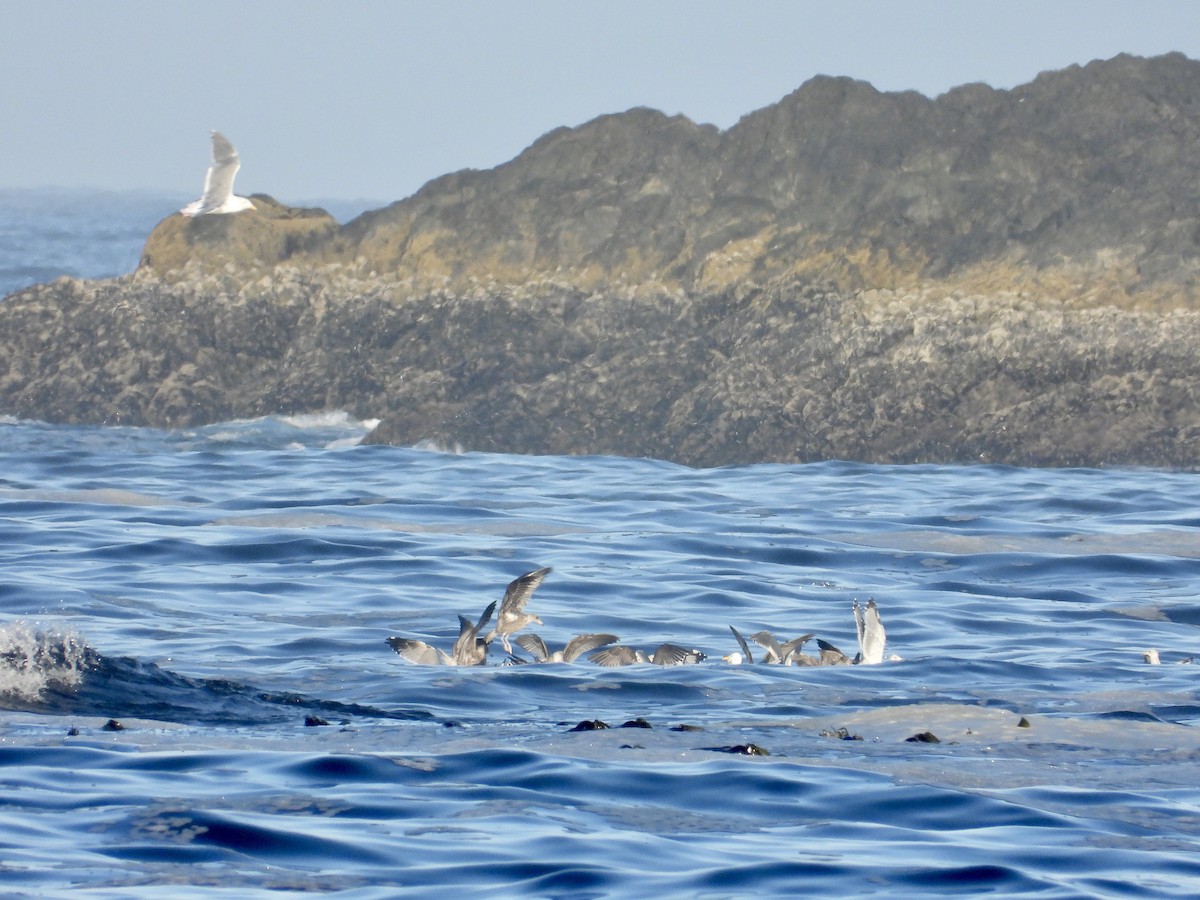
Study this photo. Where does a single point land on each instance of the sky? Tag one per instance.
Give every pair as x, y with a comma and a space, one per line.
366, 99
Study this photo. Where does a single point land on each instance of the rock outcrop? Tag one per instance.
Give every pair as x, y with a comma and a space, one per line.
1006, 276
252, 241
792, 371
1082, 182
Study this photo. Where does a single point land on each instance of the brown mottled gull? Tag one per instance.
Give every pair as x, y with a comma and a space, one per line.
469, 649
512, 616
577, 646
664, 655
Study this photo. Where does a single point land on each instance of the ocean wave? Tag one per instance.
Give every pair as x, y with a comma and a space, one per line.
34, 660
329, 430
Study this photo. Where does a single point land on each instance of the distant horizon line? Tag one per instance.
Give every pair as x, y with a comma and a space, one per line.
166, 192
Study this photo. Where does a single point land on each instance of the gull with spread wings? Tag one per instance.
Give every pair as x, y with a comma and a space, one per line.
218, 197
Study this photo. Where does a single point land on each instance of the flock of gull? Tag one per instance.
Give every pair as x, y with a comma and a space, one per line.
471, 647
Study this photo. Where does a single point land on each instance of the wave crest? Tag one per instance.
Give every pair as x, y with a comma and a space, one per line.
33, 659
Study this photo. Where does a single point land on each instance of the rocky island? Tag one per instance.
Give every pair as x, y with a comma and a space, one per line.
1007, 276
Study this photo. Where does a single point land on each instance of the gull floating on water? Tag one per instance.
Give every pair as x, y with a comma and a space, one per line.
577, 646
736, 658
871, 642
512, 616
782, 654
218, 197
469, 649
664, 655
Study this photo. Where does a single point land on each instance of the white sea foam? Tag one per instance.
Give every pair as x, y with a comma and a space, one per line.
331, 429
431, 446
330, 419
33, 659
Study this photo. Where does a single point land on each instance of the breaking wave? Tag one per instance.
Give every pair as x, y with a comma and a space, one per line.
33, 660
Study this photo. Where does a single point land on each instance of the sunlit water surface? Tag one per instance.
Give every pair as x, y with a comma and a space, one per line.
214, 590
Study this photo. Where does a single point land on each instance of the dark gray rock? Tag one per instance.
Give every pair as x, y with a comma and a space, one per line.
1091, 167
792, 371
999, 276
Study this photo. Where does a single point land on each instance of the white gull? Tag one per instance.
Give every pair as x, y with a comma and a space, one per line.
218, 196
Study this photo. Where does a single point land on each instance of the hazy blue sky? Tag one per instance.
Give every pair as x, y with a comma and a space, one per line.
370, 99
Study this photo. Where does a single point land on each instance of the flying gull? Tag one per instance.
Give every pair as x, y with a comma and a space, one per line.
512, 616
218, 196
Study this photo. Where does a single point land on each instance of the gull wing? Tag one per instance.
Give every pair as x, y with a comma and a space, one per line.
742, 643
467, 651
218, 182
583, 643
466, 638
418, 651
871, 636
617, 656
789, 649
674, 655
485, 617
534, 645
831, 655
520, 590
767, 641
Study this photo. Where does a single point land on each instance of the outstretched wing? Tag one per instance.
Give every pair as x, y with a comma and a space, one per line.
417, 651
218, 182
466, 647
789, 649
742, 643
767, 641
534, 646
674, 655
871, 636
582, 643
615, 656
520, 590
485, 617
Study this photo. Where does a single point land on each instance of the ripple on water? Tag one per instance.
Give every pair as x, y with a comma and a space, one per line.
233, 588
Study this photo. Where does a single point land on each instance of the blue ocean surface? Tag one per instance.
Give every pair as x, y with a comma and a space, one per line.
220, 592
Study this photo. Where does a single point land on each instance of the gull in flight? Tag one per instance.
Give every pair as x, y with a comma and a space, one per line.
218, 196
512, 616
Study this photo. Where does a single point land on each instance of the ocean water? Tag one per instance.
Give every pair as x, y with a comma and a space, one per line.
49, 232
181, 611
215, 590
